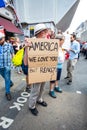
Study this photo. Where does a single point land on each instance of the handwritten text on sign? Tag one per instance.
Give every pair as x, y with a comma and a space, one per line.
42, 60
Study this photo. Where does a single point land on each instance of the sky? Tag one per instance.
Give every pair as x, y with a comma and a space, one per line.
80, 15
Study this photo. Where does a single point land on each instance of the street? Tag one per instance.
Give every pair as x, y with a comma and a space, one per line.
67, 112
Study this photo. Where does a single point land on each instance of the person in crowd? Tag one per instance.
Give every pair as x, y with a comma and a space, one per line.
49, 33
16, 45
6, 52
12, 40
84, 48
78, 40
54, 85
59, 31
16, 48
73, 57
25, 62
37, 89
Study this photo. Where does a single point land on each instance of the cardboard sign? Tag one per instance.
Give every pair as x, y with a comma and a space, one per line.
42, 60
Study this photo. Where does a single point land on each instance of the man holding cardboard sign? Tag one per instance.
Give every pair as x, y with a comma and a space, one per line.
42, 60
37, 89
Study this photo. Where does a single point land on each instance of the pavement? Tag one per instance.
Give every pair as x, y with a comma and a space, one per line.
67, 112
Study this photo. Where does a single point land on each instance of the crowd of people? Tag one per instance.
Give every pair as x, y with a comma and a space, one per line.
84, 49
9, 48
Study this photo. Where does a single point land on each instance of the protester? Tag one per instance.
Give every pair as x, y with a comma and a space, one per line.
84, 49
6, 51
59, 31
25, 62
54, 85
16, 48
73, 57
41, 31
12, 40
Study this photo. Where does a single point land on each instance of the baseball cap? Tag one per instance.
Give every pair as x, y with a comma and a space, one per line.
2, 35
39, 27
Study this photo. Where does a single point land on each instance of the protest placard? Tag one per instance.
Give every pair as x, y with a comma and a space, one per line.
42, 60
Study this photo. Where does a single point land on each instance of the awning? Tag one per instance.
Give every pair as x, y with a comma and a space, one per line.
9, 26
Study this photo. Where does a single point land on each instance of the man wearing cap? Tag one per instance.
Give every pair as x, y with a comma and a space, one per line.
37, 89
6, 50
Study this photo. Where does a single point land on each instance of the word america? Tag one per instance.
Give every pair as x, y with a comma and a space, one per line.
44, 46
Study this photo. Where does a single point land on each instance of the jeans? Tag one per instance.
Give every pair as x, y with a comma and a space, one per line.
24, 68
6, 74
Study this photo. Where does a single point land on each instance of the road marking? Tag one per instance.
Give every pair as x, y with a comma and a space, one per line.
79, 92
6, 122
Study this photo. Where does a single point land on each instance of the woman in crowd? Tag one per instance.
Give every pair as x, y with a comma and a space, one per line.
54, 85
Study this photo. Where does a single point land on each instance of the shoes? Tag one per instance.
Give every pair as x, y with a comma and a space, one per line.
8, 96
28, 89
34, 111
11, 84
69, 82
58, 89
52, 94
66, 77
43, 103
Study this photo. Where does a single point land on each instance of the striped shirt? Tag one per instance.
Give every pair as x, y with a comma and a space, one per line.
6, 50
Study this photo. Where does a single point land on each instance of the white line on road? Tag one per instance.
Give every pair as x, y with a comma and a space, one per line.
79, 92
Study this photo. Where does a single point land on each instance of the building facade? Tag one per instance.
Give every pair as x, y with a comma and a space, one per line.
54, 13
59, 12
8, 19
81, 31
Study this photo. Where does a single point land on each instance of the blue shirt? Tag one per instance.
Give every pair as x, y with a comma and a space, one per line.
75, 46
5, 54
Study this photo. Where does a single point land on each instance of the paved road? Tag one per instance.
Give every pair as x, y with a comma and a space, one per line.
67, 112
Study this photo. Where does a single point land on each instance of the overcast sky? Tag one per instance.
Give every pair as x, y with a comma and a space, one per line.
80, 15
